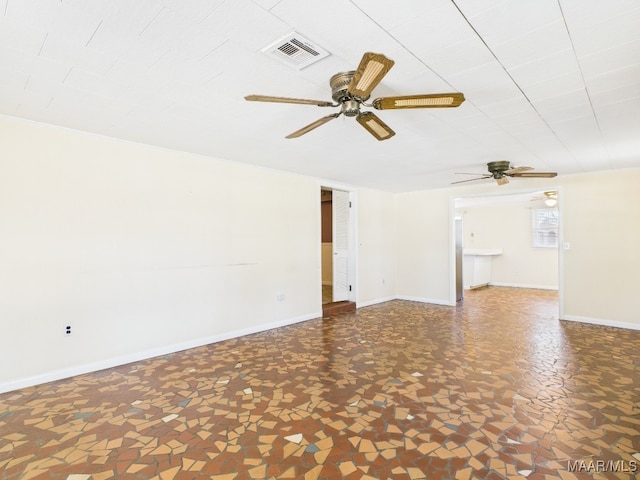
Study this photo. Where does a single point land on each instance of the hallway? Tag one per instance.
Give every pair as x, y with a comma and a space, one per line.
495, 388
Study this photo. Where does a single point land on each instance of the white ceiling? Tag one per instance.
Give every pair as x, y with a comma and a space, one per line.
552, 84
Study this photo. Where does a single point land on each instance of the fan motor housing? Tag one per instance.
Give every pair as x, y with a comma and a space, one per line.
340, 87
498, 167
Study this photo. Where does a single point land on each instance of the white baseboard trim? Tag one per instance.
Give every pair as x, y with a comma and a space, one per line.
375, 301
600, 321
521, 285
144, 355
426, 300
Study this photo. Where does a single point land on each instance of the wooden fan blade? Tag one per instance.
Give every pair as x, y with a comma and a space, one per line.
373, 67
313, 125
534, 174
472, 179
439, 100
511, 171
301, 101
375, 126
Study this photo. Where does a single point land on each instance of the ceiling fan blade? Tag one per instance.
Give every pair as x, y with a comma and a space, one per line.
472, 179
534, 174
311, 126
302, 101
373, 67
502, 180
439, 100
511, 171
375, 126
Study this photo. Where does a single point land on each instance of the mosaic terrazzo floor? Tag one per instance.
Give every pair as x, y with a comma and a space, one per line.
497, 388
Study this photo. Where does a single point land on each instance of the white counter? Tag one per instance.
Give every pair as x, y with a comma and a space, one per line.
477, 266
482, 251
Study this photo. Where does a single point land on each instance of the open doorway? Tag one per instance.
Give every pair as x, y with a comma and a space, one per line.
337, 240
508, 240
326, 210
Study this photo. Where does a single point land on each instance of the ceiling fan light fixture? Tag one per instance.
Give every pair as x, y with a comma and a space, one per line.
551, 198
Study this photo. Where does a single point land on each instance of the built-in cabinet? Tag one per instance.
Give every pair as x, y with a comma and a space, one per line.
477, 266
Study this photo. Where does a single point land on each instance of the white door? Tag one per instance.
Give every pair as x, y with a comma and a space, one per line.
340, 227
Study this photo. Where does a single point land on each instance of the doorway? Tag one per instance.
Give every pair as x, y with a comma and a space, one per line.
337, 240
499, 242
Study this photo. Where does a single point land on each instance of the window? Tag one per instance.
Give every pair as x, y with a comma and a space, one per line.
545, 227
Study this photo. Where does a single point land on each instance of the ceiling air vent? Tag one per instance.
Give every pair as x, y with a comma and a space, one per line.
295, 50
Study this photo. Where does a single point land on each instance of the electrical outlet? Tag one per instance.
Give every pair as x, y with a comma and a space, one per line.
67, 330
280, 297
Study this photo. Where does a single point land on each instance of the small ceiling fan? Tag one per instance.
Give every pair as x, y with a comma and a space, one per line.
502, 169
550, 198
350, 90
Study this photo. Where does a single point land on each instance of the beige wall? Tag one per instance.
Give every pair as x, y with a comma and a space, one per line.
142, 251
508, 227
145, 251
423, 247
600, 217
601, 220
376, 247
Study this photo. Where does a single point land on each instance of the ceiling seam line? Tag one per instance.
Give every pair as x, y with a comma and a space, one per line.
586, 89
512, 79
93, 34
454, 88
151, 21
46, 36
402, 45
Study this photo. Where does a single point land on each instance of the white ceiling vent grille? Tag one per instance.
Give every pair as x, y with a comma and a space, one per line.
295, 50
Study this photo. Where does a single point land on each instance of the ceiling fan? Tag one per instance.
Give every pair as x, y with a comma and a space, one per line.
502, 169
350, 90
550, 198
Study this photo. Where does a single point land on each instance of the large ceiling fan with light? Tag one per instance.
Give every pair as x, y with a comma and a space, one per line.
350, 90
502, 169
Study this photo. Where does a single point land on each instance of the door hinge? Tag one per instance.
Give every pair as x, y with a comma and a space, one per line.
349, 204
349, 287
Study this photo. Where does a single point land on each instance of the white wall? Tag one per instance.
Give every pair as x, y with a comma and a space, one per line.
145, 251
142, 251
423, 247
600, 272
509, 227
376, 247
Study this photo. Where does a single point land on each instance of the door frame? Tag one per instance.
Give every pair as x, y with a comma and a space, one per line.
352, 233
452, 236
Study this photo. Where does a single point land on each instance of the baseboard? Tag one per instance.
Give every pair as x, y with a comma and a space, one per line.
523, 285
602, 322
144, 355
375, 301
426, 300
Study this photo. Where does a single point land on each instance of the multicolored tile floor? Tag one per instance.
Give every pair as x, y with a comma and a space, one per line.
496, 388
